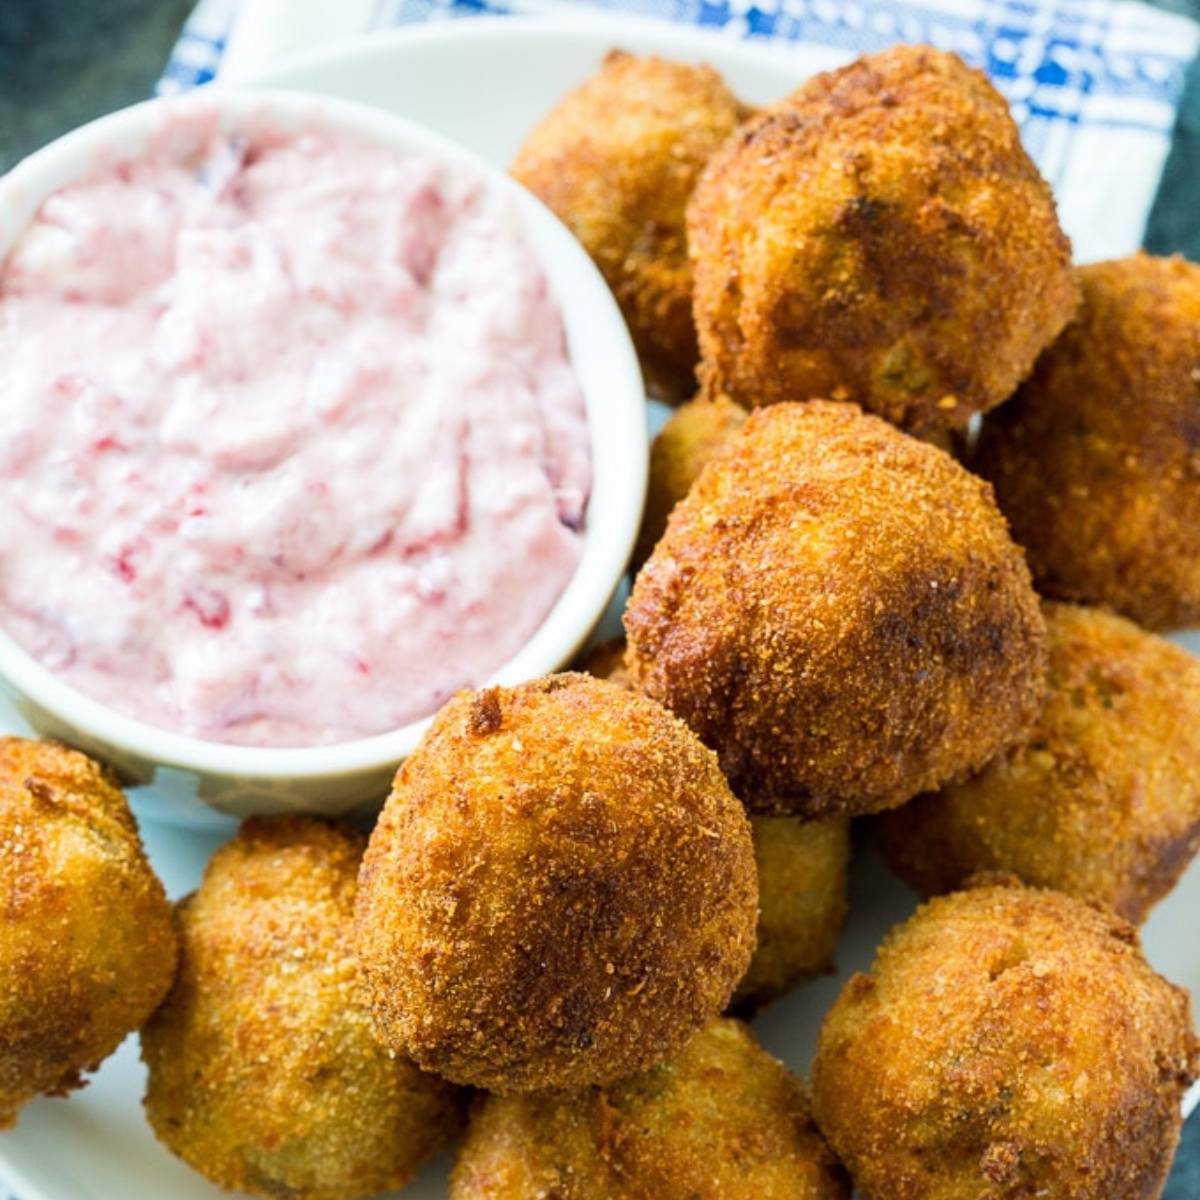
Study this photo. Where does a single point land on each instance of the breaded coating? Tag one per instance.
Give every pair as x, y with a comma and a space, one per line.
802, 882
265, 1073
838, 610
693, 435
1096, 462
1102, 802
560, 890
1008, 1043
721, 1121
879, 236
87, 942
616, 161
695, 432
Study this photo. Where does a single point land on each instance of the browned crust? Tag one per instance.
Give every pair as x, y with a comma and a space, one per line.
1008, 1042
87, 943
558, 901
1096, 462
1102, 802
616, 160
264, 1072
878, 236
802, 882
838, 610
692, 436
721, 1121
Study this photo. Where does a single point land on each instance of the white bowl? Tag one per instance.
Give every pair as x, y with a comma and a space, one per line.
187, 773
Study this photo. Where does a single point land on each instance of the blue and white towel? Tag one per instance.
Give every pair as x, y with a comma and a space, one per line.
1094, 84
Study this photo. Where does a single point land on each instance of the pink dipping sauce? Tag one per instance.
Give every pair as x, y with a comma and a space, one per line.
290, 444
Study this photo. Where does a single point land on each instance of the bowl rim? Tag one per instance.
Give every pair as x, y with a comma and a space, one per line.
616, 420
582, 25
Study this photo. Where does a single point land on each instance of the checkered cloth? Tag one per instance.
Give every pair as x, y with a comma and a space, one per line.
1094, 84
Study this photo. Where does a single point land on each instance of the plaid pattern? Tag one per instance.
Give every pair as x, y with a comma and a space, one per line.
198, 53
1069, 61
1094, 84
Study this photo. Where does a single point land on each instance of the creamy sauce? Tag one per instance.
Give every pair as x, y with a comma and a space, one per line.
290, 444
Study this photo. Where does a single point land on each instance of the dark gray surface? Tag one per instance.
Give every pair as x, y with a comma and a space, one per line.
1185, 1179
1174, 223
1175, 220
63, 62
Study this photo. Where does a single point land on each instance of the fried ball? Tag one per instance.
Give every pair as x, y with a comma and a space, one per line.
265, 1074
1096, 462
838, 610
721, 1121
802, 869
693, 435
560, 891
87, 943
616, 160
879, 236
1102, 802
1007, 1043
802, 882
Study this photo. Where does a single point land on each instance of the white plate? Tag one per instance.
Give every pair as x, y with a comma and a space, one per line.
484, 83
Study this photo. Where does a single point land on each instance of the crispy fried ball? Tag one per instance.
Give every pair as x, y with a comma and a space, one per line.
87, 943
880, 236
561, 889
1103, 801
802, 869
1096, 462
616, 160
802, 882
265, 1074
721, 1121
695, 432
693, 435
1007, 1043
838, 610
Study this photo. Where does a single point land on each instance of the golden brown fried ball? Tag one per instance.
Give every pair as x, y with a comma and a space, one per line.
721, 1121
1007, 1043
879, 236
693, 435
838, 610
802, 882
1102, 802
560, 891
695, 432
265, 1073
87, 943
1096, 462
616, 160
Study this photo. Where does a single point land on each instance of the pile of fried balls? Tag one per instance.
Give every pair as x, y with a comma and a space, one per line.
906, 556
